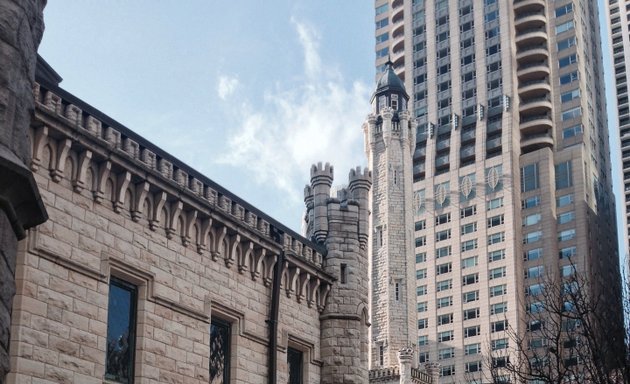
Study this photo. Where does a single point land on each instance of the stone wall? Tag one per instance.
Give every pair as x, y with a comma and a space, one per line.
120, 207
21, 28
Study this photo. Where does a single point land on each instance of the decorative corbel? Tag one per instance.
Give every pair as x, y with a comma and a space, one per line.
292, 283
269, 268
142, 189
176, 209
39, 139
246, 259
323, 296
122, 184
63, 146
303, 283
158, 204
191, 218
84, 162
312, 295
230, 257
202, 244
258, 262
221, 233
103, 173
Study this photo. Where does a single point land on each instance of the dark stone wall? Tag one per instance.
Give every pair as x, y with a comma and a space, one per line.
21, 29
8, 242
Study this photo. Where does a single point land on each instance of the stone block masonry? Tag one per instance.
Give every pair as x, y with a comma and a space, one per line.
121, 208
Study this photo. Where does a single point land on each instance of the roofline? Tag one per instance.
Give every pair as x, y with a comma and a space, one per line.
105, 119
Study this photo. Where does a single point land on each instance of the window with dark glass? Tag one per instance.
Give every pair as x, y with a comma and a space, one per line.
121, 331
219, 351
529, 177
294, 361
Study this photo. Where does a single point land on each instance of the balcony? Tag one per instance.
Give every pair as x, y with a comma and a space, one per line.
534, 88
533, 71
534, 19
530, 143
398, 27
398, 43
532, 125
535, 106
398, 15
521, 6
531, 36
532, 53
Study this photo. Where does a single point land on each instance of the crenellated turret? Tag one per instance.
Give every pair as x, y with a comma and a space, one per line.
321, 181
341, 223
359, 187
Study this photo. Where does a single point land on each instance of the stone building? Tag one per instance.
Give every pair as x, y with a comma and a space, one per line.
148, 271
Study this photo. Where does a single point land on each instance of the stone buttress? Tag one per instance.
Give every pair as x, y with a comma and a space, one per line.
341, 223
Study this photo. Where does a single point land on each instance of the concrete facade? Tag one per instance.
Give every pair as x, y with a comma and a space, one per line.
122, 208
511, 165
618, 24
21, 29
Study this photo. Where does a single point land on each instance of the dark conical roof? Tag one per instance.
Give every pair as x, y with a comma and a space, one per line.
390, 82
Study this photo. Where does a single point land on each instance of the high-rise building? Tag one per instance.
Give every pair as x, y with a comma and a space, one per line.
619, 11
511, 165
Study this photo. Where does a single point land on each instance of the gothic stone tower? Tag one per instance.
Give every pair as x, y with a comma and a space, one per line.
389, 140
341, 223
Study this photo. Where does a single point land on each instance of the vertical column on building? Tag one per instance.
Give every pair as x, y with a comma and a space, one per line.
390, 138
341, 223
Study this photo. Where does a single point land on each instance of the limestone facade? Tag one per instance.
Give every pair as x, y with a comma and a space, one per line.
122, 208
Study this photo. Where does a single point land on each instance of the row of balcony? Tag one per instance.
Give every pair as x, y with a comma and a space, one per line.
534, 89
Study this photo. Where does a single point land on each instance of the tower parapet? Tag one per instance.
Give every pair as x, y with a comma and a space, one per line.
359, 186
321, 181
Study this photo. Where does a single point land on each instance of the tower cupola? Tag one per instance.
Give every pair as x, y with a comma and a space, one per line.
390, 92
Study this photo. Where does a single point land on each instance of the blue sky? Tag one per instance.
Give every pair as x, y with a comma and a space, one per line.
250, 93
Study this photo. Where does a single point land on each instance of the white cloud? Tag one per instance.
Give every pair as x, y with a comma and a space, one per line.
319, 120
226, 86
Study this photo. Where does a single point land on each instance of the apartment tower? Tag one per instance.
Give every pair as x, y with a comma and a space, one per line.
511, 169
619, 11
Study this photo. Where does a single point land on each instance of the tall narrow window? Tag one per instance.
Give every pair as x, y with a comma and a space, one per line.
295, 361
121, 331
344, 273
219, 352
381, 355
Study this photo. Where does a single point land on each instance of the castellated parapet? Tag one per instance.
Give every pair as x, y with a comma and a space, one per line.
341, 224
